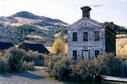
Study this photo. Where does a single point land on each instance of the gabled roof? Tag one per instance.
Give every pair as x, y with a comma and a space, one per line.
5, 45
34, 47
96, 23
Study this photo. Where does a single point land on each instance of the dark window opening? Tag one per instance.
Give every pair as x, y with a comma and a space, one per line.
74, 36
96, 53
85, 36
96, 35
74, 54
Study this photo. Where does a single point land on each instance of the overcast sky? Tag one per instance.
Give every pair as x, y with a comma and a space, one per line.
69, 10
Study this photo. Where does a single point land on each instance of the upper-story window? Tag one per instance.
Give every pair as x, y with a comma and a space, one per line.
96, 35
74, 36
85, 36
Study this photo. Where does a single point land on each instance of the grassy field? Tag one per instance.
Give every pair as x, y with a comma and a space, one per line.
121, 47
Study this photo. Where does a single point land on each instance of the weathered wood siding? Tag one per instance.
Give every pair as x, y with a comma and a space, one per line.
110, 41
106, 42
91, 44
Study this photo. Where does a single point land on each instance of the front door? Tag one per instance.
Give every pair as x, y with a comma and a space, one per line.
86, 54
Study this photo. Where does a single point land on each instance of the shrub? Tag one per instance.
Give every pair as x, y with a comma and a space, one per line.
15, 58
79, 71
28, 66
108, 64
38, 58
86, 71
63, 68
51, 62
3, 64
60, 67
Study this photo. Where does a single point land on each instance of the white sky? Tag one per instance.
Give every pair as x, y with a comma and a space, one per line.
69, 10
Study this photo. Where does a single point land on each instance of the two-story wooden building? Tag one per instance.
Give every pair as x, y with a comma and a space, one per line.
87, 38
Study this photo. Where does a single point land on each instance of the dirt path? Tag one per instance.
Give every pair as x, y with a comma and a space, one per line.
36, 77
30, 77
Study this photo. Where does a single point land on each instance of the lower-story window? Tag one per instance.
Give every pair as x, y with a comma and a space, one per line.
96, 53
74, 54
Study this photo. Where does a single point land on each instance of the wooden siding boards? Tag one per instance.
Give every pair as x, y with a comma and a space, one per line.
110, 41
105, 44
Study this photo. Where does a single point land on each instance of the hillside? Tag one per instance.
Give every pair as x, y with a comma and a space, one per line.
118, 29
25, 26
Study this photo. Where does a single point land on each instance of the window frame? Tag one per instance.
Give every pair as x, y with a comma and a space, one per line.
85, 33
74, 38
95, 37
74, 56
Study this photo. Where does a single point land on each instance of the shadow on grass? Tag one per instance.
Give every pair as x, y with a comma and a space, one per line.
30, 75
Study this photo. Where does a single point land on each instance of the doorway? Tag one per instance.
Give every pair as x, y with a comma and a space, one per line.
86, 54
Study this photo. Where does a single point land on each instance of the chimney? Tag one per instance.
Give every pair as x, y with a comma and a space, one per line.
86, 11
112, 25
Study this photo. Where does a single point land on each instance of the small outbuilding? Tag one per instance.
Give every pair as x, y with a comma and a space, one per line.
5, 45
34, 47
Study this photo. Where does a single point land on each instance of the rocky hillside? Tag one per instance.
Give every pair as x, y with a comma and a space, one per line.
25, 26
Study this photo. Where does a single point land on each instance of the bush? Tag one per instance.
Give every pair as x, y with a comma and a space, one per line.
109, 64
28, 66
3, 64
37, 58
64, 68
86, 71
51, 62
15, 58
79, 71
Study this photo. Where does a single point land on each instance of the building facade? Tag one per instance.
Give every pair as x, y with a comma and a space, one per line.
87, 38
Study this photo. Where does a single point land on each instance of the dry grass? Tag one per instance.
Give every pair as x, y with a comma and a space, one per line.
121, 47
36, 37
57, 35
22, 21
49, 48
121, 35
